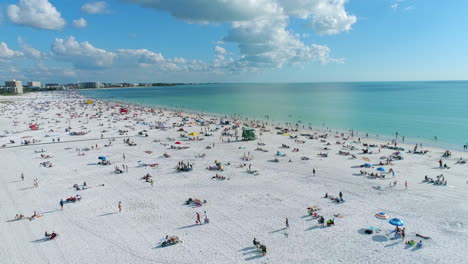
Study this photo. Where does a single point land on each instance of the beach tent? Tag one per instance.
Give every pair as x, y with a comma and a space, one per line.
382, 215
102, 158
248, 134
396, 222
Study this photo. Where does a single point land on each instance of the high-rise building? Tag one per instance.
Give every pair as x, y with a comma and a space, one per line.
34, 84
89, 85
14, 87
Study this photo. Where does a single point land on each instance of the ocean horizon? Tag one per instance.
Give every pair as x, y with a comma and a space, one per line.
420, 111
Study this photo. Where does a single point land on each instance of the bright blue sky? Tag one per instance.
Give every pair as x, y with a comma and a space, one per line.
233, 41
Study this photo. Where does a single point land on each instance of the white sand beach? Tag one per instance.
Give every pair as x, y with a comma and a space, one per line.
240, 207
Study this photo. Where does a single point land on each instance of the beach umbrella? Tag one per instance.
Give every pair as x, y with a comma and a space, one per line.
382, 216
194, 134
178, 143
286, 134
381, 169
367, 165
396, 222
102, 158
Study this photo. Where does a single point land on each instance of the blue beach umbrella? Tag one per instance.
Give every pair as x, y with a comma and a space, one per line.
381, 169
367, 165
396, 222
102, 158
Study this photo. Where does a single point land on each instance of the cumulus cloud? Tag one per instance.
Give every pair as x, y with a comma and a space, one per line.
95, 7
86, 56
260, 27
7, 53
37, 14
29, 50
204, 11
82, 55
80, 23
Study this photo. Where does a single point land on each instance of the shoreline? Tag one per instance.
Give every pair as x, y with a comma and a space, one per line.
382, 139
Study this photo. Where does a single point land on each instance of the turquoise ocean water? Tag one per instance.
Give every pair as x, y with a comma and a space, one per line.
417, 110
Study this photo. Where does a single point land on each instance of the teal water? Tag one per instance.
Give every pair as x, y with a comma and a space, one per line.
417, 110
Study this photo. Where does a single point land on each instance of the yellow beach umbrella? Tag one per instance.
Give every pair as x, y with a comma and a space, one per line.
193, 134
89, 102
286, 134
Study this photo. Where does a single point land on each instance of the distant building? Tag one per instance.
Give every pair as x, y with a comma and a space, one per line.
14, 86
33, 85
90, 85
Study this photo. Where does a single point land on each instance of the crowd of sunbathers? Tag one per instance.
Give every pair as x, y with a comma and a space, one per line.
440, 180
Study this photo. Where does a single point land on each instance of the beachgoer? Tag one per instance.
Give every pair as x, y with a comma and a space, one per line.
406, 184
341, 195
198, 218
61, 203
22, 176
313, 171
403, 234
120, 206
287, 223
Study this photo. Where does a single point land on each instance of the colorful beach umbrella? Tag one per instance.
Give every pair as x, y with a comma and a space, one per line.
396, 222
178, 143
382, 215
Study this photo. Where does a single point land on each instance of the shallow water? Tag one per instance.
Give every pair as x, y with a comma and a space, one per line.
417, 110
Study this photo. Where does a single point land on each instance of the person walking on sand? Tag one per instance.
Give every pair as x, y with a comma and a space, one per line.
61, 203
123, 155
120, 206
313, 171
403, 234
152, 181
341, 195
198, 218
22, 176
406, 184
287, 223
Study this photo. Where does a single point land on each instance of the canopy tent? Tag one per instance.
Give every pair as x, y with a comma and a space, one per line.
248, 134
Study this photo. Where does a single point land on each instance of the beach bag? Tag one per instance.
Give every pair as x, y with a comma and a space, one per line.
369, 231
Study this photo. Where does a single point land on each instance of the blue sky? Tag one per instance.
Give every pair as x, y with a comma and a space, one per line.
233, 41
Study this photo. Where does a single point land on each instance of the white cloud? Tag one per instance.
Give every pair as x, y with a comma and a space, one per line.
29, 50
204, 11
95, 7
80, 23
394, 6
260, 27
328, 17
82, 55
220, 50
37, 14
85, 56
7, 53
